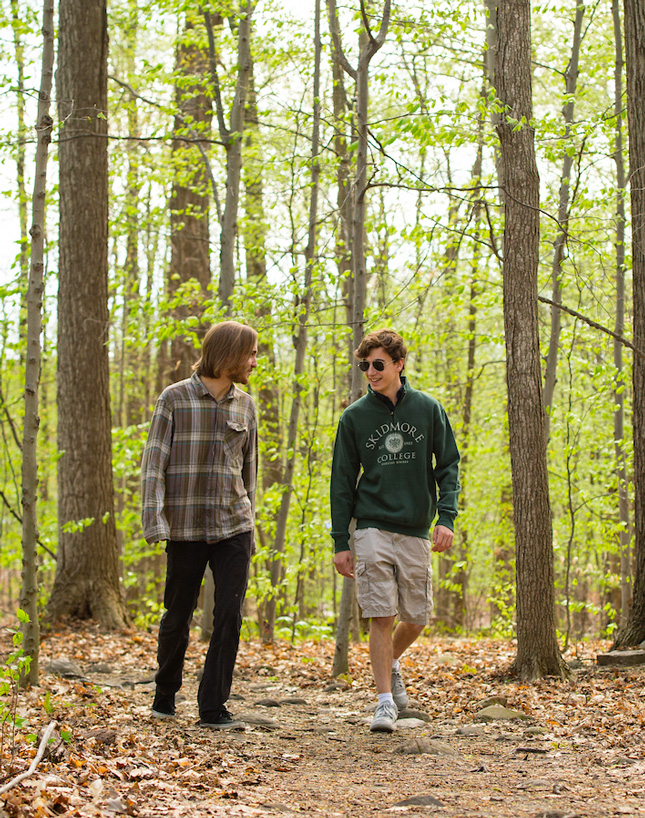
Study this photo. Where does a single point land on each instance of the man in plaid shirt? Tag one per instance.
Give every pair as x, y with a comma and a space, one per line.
198, 479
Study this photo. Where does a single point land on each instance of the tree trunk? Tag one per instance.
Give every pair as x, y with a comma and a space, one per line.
302, 308
571, 82
619, 326
538, 654
462, 573
87, 571
231, 136
36, 286
633, 632
189, 204
17, 25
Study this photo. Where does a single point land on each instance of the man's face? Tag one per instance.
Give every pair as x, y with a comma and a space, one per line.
387, 381
242, 373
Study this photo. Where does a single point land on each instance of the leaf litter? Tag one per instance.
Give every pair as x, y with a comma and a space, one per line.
578, 751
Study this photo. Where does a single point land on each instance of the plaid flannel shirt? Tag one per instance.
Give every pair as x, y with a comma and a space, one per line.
199, 465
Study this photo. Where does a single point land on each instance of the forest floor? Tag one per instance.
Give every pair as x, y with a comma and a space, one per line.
578, 751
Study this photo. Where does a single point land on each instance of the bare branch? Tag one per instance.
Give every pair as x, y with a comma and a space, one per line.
224, 132
12, 426
334, 28
594, 324
17, 516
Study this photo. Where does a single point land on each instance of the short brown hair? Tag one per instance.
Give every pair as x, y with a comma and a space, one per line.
391, 342
225, 347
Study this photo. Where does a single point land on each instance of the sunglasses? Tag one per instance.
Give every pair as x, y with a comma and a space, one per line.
379, 366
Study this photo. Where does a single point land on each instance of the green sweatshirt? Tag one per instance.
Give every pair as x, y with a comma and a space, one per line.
405, 453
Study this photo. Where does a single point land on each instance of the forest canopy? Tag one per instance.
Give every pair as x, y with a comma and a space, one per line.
219, 127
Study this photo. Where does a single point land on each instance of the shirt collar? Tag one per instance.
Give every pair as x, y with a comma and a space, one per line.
384, 398
199, 385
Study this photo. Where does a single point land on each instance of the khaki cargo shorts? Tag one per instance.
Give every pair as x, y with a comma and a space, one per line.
393, 575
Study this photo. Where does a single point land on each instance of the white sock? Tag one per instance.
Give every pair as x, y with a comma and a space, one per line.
395, 664
385, 697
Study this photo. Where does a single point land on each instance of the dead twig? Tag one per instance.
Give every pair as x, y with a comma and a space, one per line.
34, 763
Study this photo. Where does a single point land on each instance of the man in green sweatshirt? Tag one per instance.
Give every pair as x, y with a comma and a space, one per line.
400, 442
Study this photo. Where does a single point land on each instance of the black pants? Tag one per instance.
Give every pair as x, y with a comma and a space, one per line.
186, 563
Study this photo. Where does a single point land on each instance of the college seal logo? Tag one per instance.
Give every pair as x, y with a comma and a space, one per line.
394, 442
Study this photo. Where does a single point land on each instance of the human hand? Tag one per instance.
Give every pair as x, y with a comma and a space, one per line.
442, 538
344, 562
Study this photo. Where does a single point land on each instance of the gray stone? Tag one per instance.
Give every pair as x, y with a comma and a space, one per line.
503, 700
535, 784
293, 700
64, 667
496, 712
407, 723
424, 746
338, 684
413, 713
103, 667
621, 658
420, 801
259, 720
268, 703
470, 730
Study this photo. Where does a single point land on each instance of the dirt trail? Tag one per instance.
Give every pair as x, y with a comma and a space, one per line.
307, 749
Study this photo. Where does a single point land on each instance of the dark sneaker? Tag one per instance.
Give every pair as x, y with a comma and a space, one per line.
385, 717
163, 706
399, 693
221, 720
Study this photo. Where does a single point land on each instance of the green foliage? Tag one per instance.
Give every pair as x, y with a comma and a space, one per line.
433, 245
13, 668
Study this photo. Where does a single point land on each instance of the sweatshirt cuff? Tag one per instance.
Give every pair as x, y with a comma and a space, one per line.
447, 521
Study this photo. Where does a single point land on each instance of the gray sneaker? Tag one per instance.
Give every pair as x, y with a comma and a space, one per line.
384, 720
399, 693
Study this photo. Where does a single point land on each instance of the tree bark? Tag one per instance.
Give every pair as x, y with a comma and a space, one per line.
17, 26
633, 632
189, 203
571, 82
87, 571
302, 309
36, 286
538, 654
619, 326
231, 135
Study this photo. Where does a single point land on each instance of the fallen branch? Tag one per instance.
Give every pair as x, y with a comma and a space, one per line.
34, 763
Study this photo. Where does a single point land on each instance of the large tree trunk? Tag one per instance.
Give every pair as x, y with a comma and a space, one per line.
189, 225
87, 572
538, 654
633, 632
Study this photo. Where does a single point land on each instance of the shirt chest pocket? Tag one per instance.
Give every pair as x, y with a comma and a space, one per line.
236, 436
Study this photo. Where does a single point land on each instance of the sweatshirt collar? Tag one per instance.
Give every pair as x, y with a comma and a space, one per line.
384, 399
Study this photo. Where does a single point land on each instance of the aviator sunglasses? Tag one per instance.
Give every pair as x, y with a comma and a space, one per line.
379, 366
